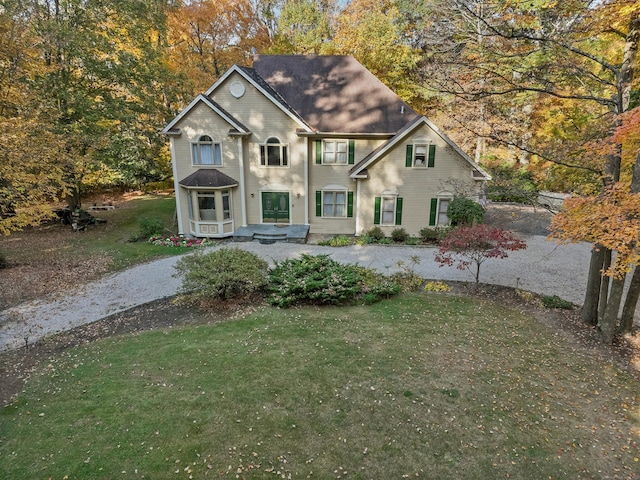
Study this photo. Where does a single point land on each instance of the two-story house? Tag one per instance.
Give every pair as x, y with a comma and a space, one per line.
312, 141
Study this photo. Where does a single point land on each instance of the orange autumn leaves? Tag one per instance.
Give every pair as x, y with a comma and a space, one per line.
611, 219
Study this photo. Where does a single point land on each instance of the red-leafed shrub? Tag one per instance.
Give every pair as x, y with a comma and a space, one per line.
469, 245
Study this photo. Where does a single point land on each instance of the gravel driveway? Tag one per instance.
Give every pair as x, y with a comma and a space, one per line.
544, 267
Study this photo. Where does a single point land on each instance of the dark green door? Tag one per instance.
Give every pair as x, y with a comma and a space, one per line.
275, 207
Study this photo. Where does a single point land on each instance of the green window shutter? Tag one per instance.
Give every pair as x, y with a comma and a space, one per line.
318, 152
349, 204
433, 212
432, 155
409, 157
399, 211
318, 203
262, 155
352, 151
376, 211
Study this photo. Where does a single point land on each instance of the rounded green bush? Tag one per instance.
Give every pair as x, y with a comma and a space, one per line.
222, 274
464, 211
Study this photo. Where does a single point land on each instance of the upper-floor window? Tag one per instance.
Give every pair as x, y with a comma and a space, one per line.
274, 154
206, 152
421, 155
335, 152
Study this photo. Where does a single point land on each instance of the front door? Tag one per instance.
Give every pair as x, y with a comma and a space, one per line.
275, 207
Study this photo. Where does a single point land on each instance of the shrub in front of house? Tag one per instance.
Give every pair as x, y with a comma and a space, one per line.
222, 275
147, 228
319, 280
399, 235
337, 241
464, 211
375, 233
434, 235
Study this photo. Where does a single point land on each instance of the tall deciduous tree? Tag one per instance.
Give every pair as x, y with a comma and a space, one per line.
572, 60
373, 32
305, 26
209, 36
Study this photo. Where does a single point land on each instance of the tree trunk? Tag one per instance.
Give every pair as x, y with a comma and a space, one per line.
73, 199
594, 281
604, 286
610, 319
630, 303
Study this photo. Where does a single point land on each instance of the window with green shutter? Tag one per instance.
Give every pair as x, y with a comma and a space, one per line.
399, 211
433, 212
421, 155
352, 152
432, 155
376, 210
318, 203
334, 203
335, 152
409, 156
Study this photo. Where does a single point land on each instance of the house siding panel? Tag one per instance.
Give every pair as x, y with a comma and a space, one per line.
203, 121
266, 120
322, 176
416, 186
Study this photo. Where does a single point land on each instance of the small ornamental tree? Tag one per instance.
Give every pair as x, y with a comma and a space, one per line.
469, 245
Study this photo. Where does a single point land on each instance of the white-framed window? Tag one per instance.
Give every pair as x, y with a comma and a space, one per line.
420, 155
206, 152
335, 152
226, 205
388, 211
438, 210
334, 204
443, 206
273, 153
206, 206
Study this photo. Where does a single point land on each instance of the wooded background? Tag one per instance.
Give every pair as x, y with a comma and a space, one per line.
542, 93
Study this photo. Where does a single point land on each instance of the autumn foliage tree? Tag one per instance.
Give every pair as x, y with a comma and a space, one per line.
611, 221
469, 246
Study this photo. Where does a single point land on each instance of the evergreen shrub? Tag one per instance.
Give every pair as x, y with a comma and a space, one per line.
222, 274
317, 279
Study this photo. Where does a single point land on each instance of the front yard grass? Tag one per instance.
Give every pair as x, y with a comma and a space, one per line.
424, 385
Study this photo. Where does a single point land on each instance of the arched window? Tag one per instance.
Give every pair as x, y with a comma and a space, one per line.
273, 153
206, 152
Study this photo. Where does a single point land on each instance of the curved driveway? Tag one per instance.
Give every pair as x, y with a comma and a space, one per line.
544, 267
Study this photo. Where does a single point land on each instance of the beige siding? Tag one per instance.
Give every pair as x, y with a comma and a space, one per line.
416, 186
203, 121
334, 177
261, 117
264, 119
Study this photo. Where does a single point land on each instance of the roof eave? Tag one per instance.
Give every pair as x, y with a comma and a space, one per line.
301, 133
235, 68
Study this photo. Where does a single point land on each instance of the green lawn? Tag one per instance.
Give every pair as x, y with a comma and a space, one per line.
425, 385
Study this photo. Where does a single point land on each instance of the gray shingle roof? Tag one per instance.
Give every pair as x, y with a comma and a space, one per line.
208, 178
334, 93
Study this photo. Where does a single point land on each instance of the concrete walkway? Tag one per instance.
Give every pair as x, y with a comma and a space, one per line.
544, 267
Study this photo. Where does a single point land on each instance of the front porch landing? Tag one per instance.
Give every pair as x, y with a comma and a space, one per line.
269, 233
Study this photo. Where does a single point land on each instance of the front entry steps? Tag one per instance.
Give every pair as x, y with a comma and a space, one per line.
270, 233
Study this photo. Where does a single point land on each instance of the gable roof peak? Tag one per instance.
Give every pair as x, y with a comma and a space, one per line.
334, 93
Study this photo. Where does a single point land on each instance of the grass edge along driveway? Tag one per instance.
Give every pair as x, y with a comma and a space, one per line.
426, 385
